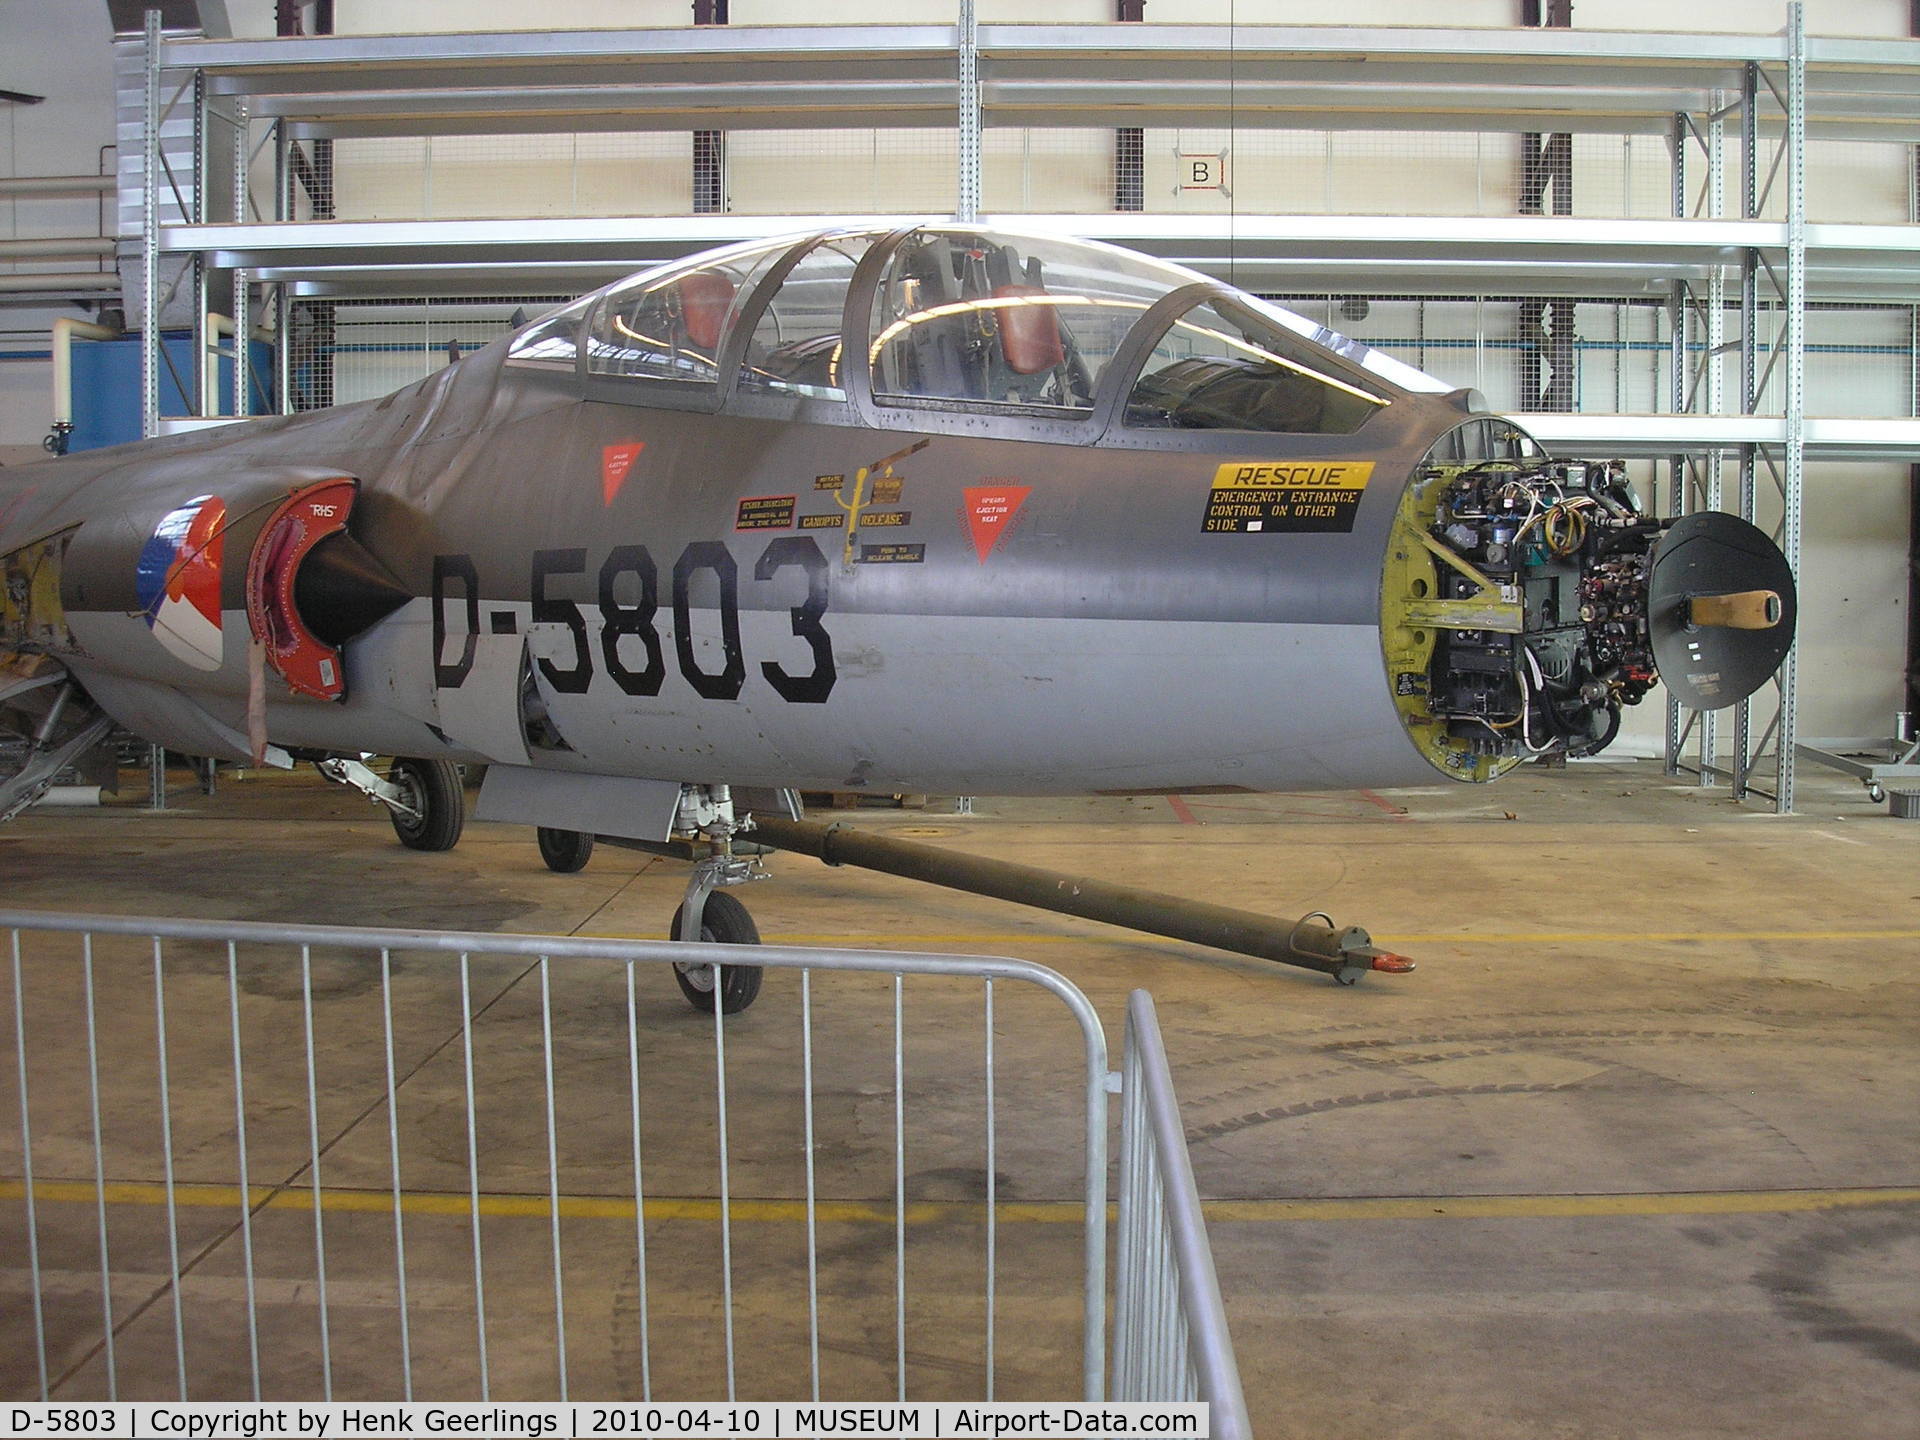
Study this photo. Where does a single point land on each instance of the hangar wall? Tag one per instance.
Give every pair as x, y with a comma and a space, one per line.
1862, 362
64, 53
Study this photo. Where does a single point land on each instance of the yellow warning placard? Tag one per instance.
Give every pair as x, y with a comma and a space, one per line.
1293, 475
1286, 496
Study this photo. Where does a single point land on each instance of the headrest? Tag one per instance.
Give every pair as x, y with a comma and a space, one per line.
704, 299
1029, 334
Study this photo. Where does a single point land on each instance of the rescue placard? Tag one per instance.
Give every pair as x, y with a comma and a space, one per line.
1287, 496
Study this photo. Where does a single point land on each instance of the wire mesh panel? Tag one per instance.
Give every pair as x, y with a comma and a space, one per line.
1865, 361
454, 177
881, 172
1617, 351
1853, 182
1254, 170
348, 350
247, 1160
1257, 170
1060, 171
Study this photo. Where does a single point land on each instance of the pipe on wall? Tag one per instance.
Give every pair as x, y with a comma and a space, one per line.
217, 326
65, 329
72, 247
58, 282
15, 185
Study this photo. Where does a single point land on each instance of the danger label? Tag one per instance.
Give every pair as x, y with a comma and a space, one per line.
765, 512
616, 463
990, 512
1289, 497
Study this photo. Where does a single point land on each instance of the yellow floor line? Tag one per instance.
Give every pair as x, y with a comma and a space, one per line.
928, 1212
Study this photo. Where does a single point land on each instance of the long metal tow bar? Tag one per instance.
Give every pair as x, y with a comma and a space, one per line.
1312, 942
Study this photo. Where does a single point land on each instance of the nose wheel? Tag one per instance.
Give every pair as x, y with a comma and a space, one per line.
708, 914
723, 921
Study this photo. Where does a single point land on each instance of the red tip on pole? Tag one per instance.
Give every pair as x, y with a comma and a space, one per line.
1393, 964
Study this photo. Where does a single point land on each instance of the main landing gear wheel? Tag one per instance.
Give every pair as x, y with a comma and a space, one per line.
431, 789
565, 851
725, 921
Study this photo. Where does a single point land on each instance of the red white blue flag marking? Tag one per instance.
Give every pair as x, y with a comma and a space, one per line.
178, 581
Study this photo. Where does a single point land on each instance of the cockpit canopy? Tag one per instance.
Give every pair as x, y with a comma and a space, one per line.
949, 318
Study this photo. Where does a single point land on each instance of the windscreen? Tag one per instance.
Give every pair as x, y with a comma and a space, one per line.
1222, 367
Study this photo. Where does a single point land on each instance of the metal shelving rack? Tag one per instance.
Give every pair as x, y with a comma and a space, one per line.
1781, 90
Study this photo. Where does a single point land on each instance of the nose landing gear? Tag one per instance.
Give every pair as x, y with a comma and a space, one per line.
705, 818
709, 913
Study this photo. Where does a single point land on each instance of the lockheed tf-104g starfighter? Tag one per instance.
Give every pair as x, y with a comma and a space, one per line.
941, 509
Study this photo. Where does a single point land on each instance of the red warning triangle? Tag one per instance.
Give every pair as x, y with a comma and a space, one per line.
615, 463
990, 510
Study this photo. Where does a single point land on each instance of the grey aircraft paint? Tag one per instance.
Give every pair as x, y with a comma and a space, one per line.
717, 578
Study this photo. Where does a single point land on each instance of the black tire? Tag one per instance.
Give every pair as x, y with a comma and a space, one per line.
725, 921
565, 851
433, 788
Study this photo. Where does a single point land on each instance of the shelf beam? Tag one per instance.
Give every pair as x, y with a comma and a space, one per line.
1092, 75
1378, 255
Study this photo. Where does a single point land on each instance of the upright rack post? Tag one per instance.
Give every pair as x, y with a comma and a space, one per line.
1743, 756
1794, 468
1714, 389
967, 203
242, 320
201, 400
150, 235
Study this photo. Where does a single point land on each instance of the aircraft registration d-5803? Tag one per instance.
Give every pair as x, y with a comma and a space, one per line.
939, 509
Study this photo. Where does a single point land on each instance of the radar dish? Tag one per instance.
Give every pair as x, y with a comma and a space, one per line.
1710, 554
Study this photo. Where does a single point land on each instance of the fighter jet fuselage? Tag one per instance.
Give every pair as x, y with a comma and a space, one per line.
934, 511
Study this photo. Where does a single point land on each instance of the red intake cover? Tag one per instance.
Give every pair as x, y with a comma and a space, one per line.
308, 664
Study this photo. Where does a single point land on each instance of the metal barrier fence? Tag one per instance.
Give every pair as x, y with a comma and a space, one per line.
312, 1160
1170, 1338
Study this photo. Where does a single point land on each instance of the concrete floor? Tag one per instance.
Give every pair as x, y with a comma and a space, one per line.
1633, 1153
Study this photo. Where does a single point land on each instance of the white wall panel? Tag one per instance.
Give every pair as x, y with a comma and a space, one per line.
1853, 599
1824, 17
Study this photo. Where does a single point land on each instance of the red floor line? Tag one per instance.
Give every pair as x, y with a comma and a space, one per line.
1180, 810
1387, 805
